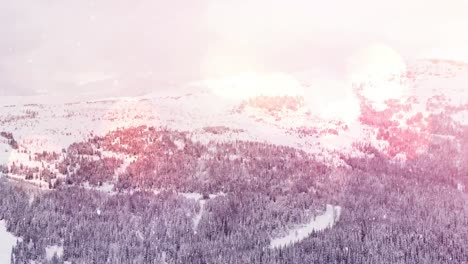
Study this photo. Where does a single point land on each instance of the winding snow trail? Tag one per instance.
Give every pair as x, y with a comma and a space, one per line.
198, 216
320, 223
198, 197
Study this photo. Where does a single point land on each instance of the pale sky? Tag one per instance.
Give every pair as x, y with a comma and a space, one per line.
135, 46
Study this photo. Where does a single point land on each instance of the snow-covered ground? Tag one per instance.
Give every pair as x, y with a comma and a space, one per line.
197, 218
53, 250
198, 197
5, 150
56, 126
7, 242
319, 223
105, 188
40, 125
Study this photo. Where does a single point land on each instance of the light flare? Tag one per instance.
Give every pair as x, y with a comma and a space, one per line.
379, 68
332, 100
250, 84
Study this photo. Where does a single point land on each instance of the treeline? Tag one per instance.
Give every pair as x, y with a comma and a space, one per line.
10, 139
25, 115
170, 159
273, 104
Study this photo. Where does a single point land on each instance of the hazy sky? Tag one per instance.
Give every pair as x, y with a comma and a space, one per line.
127, 46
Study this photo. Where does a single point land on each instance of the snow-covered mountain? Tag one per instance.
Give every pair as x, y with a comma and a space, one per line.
276, 172
435, 105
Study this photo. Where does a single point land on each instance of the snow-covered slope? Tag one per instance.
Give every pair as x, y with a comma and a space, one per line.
8, 241
434, 87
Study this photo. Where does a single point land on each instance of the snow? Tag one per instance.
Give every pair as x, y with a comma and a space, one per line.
461, 117
446, 78
106, 187
4, 153
180, 144
198, 198
320, 223
8, 241
192, 196
53, 250
126, 160
57, 125
163, 257
41, 184
201, 202
198, 216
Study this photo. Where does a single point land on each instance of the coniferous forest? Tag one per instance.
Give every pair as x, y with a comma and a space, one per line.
233, 132
250, 193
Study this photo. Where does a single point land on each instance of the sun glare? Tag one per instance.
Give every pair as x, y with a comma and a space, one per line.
330, 99
378, 66
250, 84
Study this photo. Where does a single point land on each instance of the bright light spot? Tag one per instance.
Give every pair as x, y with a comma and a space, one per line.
378, 68
335, 100
376, 61
249, 84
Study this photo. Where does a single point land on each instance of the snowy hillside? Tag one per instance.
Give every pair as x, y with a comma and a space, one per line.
198, 175
436, 93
